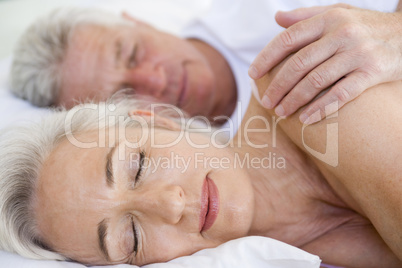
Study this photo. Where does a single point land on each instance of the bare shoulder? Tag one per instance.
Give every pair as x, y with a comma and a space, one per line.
364, 137
362, 141
359, 151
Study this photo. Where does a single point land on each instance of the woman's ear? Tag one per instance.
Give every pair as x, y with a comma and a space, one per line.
159, 121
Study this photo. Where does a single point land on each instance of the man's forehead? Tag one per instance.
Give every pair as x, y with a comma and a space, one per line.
106, 30
88, 62
88, 37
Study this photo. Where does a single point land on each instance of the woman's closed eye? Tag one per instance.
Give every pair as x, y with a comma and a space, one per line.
136, 168
132, 242
135, 235
141, 167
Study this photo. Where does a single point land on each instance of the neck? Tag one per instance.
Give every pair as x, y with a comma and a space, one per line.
266, 193
225, 85
274, 181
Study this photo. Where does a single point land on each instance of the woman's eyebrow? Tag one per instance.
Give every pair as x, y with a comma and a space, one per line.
109, 166
102, 232
102, 226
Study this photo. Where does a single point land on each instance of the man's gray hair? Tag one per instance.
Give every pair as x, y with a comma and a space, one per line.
37, 58
24, 149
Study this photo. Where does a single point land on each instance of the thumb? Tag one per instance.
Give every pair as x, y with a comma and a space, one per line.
288, 18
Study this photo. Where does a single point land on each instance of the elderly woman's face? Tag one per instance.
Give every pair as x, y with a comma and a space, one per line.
141, 205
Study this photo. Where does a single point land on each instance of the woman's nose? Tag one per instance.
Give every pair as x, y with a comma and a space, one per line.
147, 79
166, 203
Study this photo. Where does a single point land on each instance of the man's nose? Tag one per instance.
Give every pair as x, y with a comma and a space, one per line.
147, 79
166, 203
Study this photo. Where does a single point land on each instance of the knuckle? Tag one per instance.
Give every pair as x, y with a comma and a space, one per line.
287, 39
337, 13
343, 94
291, 100
298, 97
369, 59
362, 81
263, 55
275, 88
291, 103
297, 63
367, 49
303, 96
316, 80
374, 69
349, 30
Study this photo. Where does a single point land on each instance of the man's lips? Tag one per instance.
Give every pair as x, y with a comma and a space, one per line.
209, 205
182, 89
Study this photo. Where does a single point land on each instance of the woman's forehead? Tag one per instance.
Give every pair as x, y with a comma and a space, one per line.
69, 164
72, 197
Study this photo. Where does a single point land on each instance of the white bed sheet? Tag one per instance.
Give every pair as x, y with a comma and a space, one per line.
253, 251
169, 16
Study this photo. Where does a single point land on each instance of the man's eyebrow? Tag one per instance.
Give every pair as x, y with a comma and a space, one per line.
118, 49
109, 167
102, 232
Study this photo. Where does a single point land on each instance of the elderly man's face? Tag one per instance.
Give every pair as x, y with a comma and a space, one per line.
100, 60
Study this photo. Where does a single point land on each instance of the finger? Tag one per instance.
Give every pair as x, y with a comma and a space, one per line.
341, 93
288, 18
297, 67
315, 82
128, 17
290, 40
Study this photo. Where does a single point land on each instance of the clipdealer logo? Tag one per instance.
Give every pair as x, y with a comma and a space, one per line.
330, 156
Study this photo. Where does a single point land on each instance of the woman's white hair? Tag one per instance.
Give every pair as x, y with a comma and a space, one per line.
35, 71
24, 149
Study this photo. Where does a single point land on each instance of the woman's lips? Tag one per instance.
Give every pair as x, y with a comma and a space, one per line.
209, 204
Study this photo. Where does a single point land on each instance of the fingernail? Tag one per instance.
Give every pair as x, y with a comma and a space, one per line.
266, 102
252, 72
303, 118
308, 120
279, 110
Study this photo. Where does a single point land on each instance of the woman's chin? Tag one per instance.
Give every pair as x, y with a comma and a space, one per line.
236, 209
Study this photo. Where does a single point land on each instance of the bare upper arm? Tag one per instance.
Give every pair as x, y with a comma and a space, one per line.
362, 156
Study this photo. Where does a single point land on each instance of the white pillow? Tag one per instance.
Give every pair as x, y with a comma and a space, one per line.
252, 251
13, 110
